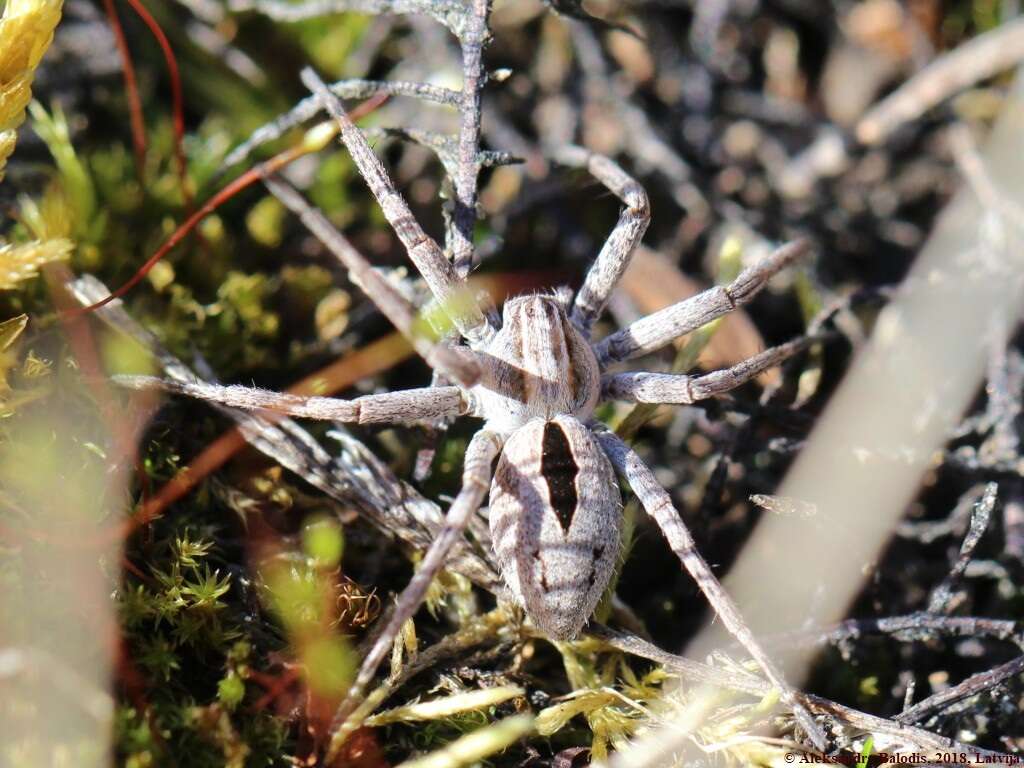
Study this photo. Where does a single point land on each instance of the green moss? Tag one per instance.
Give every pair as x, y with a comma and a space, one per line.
330, 44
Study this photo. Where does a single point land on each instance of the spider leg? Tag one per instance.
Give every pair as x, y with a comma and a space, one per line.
680, 389
456, 365
404, 407
660, 328
449, 291
476, 473
614, 257
658, 504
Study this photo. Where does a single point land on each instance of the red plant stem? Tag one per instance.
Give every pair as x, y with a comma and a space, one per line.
177, 99
133, 569
176, 237
275, 687
131, 87
257, 173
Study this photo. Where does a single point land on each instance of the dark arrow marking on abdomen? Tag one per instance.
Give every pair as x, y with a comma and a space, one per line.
559, 470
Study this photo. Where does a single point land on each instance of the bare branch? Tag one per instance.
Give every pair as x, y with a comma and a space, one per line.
472, 43
345, 89
941, 600
446, 148
912, 627
972, 686
451, 13
982, 57
955, 523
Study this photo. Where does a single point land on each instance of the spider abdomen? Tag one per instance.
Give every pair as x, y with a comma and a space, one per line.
556, 516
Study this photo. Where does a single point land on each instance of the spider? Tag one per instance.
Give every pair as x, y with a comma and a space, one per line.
534, 377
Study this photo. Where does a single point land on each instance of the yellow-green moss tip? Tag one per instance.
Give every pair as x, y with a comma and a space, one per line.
26, 31
20, 262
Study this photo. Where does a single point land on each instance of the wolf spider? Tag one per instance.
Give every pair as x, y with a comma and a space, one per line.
534, 377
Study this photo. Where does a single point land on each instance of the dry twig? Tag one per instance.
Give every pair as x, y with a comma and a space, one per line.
982, 57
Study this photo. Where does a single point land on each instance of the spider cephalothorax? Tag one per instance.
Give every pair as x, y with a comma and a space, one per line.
538, 365
535, 378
